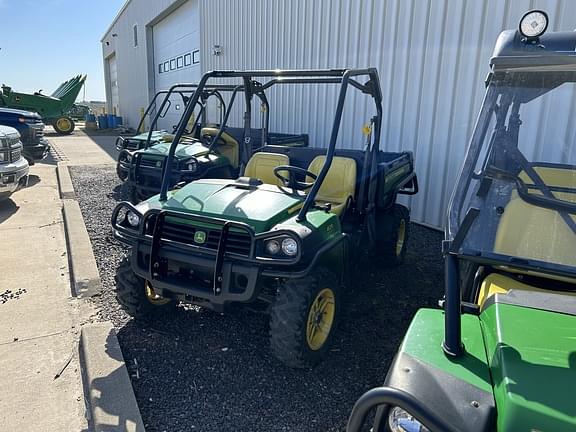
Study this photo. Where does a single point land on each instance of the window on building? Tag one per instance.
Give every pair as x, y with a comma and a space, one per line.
196, 57
172, 64
135, 30
180, 62
166, 66
160, 69
188, 59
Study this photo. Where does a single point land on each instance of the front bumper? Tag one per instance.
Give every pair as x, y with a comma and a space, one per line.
36, 151
13, 176
198, 274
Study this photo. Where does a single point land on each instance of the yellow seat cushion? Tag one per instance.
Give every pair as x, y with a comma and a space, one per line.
229, 148
496, 283
538, 233
339, 184
261, 166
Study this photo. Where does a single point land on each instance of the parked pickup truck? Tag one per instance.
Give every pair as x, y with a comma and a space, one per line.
31, 128
13, 166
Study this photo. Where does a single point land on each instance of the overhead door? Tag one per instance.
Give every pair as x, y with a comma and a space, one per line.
113, 71
177, 55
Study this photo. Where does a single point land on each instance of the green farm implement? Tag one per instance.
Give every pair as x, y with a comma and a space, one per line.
54, 109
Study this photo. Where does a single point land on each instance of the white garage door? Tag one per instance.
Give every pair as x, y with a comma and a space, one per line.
113, 71
177, 55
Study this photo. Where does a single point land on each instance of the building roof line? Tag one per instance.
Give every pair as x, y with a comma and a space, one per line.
115, 19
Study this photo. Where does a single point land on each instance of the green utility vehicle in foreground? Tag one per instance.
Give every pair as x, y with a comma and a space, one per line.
501, 356
54, 109
286, 234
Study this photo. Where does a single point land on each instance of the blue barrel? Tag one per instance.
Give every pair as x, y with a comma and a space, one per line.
119, 121
111, 121
90, 118
102, 122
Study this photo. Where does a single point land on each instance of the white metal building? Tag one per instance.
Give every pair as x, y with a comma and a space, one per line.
432, 56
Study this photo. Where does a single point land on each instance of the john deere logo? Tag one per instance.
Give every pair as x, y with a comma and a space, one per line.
199, 237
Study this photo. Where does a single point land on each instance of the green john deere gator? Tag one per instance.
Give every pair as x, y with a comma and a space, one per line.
501, 356
53, 109
209, 147
286, 234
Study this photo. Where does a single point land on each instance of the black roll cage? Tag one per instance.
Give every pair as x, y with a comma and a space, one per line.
205, 94
250, 87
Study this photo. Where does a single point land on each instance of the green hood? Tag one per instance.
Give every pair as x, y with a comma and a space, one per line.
156, 136
531, 347
260, 207
182, 150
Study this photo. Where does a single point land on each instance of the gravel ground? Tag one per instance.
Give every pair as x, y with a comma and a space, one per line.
199, 370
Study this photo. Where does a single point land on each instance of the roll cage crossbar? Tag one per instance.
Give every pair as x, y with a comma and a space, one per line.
344, 77
185, 91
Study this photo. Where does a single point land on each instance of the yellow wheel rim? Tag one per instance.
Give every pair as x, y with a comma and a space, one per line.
320, 319
401, 237
154, 298
63, 124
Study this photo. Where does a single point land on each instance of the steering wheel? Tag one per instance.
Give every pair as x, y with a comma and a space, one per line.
291, 181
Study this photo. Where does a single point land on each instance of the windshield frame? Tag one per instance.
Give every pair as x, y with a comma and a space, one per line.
461, 218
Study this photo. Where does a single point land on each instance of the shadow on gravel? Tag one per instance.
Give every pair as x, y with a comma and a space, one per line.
215, 372
7, 209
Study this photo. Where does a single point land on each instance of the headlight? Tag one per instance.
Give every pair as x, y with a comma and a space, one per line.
4, 143
132, 218
273, 247
3, 156
401, 421
191, 165
289, 246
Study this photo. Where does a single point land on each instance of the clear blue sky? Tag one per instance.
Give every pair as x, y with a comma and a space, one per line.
46, 42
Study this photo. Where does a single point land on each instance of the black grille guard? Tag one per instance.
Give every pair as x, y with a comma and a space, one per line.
220, 254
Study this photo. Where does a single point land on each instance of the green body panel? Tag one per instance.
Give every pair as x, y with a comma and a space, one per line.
49, 107
396, 176
184, 151
424, 338
262, 207
156, 136
532, 356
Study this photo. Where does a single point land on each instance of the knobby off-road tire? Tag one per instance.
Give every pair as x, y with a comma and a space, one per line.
131, 294
290, 314
392, 233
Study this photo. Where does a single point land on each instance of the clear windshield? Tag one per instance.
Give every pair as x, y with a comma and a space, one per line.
516, 199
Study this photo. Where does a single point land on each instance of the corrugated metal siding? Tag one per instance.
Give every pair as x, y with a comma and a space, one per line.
432, 56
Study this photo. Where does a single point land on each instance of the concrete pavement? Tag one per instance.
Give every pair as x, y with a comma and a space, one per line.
40, 376
42, 362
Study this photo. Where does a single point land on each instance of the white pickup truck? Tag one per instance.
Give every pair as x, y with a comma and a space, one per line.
13, 167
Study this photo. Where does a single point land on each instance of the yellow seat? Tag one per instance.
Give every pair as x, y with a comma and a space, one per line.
229, 147
261, 166
339, 186
496, 283
538, 233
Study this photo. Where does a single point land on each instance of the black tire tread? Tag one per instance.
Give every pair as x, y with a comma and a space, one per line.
131, 295
387, 236
289, 315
